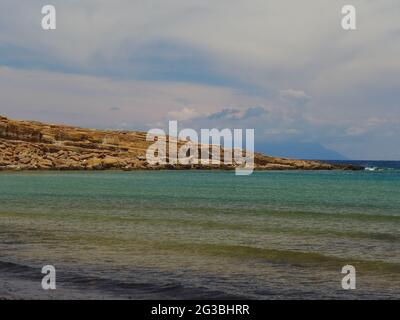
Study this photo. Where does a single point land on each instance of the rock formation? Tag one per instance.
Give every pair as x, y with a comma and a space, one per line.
31, 145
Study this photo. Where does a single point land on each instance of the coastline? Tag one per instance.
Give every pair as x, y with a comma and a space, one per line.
31, 145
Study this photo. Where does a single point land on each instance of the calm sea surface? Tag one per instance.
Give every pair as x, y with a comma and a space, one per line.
200, 234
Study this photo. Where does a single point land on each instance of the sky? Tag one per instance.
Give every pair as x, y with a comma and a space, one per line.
285, 68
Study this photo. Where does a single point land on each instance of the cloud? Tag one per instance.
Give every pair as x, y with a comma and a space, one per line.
355, 131
253, 112
296, 97
85, 100
224, 114
281, 69
184, 114
236, 114
281, 131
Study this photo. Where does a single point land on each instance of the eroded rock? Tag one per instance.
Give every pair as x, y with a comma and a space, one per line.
31, 145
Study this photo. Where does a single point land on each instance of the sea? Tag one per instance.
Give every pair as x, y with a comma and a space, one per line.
201, 234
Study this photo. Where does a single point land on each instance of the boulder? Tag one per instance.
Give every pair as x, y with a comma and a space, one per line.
110, 162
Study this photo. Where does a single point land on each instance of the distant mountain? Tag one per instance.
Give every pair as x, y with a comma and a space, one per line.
299, 150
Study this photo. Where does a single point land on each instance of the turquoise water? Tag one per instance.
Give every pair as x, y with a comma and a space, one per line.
201, 234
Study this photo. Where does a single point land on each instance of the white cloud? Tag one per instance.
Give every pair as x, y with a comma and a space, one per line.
86, 100
295, 97
312, 78
355, 131
183, 114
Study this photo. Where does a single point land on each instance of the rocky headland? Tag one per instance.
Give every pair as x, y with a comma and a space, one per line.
31, 145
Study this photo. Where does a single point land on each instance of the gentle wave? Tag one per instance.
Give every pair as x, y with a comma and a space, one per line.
96, 285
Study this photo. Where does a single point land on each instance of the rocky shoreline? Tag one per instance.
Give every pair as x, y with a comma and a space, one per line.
31, 145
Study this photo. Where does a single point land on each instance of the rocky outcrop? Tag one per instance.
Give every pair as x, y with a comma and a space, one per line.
30, 145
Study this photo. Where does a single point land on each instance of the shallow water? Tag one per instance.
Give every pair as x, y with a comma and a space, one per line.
200, 234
